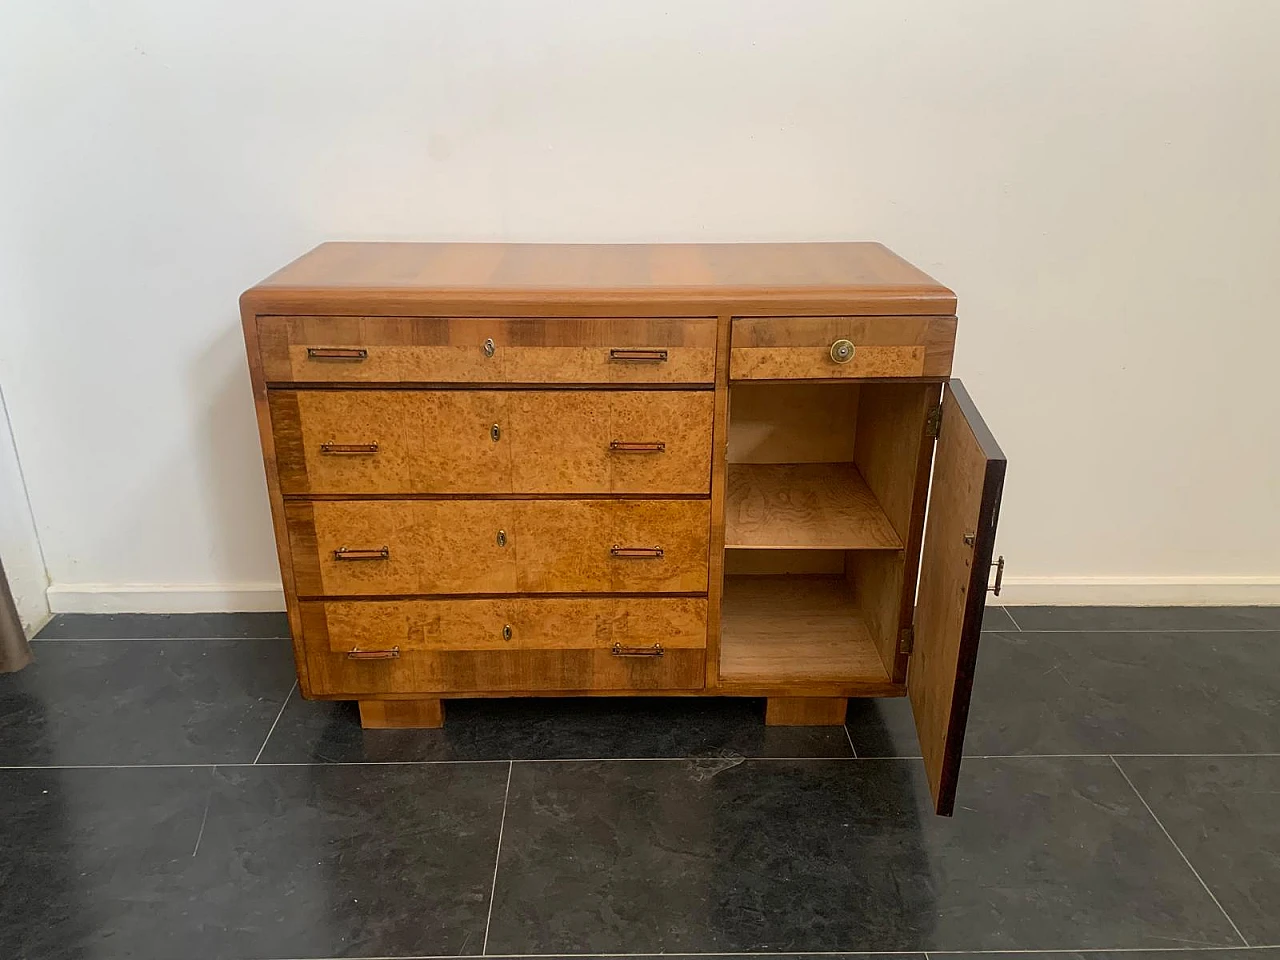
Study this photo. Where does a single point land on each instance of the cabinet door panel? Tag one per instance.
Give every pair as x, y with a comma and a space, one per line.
960, 532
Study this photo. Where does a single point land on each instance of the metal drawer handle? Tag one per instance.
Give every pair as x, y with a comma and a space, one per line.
349, 553
355, 354
639, 356
636, 553
489, 348
506, 632
355, 449
999, 565
627, 446
620, 651
842, 351
355, 653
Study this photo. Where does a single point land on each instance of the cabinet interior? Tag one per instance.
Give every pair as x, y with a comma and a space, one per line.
822, 517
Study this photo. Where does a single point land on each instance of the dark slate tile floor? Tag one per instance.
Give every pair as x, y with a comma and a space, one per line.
165, 792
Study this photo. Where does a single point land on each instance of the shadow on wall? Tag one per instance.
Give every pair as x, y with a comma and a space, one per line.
233, 484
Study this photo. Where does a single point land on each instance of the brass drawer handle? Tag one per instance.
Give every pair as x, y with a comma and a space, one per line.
336, 449
639, 356
627, 446
506, 632
842, 351
636, 553
355, 354
348, 553
620, 651
489, 348
999, 565
355, 653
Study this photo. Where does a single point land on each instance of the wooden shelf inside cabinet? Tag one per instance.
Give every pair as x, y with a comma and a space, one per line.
803, 506
795, 629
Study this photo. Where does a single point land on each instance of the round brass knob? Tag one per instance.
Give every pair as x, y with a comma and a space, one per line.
842, 351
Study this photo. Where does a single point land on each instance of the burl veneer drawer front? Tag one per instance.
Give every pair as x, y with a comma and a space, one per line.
637, 625
345, 548
487, 350
492, 441
829, 348
505, 671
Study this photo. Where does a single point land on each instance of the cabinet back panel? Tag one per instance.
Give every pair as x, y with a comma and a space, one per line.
781, 562
793, 422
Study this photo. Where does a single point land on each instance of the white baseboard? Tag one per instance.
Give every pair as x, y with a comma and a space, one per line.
165, 597
1139, 591
1017, 591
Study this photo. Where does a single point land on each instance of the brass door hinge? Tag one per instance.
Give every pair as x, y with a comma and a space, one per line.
907, 640
934, 423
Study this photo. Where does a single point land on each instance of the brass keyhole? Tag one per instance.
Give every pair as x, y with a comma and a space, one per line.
496, 432
502, 538
506, 632
842, 351
489, 348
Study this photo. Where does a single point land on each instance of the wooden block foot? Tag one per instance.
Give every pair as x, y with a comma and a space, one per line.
805, 711
389, 714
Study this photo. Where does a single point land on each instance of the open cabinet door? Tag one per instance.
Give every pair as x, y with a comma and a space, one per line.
960, 533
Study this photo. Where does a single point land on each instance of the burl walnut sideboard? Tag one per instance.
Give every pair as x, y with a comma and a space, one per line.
505, 470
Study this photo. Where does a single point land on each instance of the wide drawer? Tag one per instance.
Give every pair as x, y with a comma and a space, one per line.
502, 671
492, 441
638, 625
830, 348
356, 548
487, 350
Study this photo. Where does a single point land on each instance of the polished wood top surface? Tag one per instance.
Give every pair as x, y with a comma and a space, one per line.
383, 278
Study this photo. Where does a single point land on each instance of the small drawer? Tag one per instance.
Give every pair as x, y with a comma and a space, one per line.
492, 441
835, 348
487, 350
368, 548
637, 625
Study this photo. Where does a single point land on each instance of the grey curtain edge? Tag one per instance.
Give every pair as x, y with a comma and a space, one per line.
15, 651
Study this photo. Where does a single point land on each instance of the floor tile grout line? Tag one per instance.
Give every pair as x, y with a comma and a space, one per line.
288, 696
806, 953
1155, 630
1015, 623
1185, 859
688, 759
1018, 628
850, 738
497, 859
148, 639
208, 801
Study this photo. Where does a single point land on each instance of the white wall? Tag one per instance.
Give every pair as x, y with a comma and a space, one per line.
19, 543
1099, 180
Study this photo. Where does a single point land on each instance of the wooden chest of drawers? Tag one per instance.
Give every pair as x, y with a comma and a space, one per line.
502, 470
